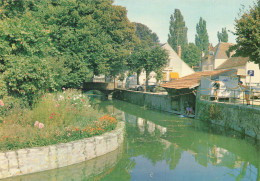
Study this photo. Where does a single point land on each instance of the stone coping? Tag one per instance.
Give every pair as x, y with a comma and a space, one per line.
31, 160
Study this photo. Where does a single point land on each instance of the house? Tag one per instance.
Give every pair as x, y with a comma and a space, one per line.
219, 58
243, 65
175, 64
217, 55
183, 90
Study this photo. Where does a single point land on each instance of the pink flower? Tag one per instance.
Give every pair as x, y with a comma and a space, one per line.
57, 105
1, 103
51, 117
36, 123
63, 88
41, 125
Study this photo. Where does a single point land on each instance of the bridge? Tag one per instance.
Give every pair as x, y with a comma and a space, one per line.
106, 87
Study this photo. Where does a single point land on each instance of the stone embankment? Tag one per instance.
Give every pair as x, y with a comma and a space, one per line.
31, 160
242, 118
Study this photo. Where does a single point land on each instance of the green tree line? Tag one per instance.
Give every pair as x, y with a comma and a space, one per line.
191, 53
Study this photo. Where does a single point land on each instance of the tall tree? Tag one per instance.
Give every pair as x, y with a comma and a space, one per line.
202, 38
191, 54
223, 36
178, 31
247, 32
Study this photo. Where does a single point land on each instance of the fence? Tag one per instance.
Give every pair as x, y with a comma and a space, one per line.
232, 96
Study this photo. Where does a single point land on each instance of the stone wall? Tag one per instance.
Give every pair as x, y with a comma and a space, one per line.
25, 161
242, 118
151, 100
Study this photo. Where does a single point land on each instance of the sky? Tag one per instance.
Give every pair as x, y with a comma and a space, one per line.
156, 15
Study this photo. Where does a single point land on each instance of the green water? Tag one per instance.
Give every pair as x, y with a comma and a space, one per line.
160, 146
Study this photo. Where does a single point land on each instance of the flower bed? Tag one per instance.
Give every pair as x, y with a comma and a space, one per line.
55, 118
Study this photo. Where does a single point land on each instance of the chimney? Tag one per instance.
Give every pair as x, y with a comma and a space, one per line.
179, 51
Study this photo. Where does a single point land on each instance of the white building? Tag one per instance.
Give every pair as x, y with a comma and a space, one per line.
175, 64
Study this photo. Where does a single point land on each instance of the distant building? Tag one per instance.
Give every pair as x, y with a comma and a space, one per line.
216, 56
220, 58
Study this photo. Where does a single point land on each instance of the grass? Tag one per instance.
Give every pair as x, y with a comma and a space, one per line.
55, 118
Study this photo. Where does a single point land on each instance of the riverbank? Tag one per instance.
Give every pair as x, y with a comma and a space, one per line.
25, 161
240, 118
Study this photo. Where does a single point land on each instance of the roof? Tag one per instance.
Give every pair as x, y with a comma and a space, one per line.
234, 62
222, 49
191, 81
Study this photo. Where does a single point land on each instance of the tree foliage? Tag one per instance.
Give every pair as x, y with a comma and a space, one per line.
247, 30
150, 59
201, 38
223, 36
145, 34
178, 31
45, 45
191, 55
146, 39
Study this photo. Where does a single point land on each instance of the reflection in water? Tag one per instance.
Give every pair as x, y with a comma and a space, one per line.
164, 146
160, 146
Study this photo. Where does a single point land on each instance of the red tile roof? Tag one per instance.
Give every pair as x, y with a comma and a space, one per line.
191, 81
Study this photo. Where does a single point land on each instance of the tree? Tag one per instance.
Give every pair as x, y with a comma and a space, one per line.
247, 30
54, 43
223, 36
146, 40
145, 34
191, 54
201, 38
178, 31
94, 36
153, 59
28, 60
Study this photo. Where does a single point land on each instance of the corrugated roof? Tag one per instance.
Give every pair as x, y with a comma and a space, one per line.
192, 80
234, 62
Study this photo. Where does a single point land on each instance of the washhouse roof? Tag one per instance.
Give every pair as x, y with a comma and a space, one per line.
191, 81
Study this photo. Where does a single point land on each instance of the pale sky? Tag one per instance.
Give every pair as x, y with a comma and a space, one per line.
156, 15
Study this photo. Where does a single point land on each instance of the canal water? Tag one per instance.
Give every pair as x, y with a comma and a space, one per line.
162, 147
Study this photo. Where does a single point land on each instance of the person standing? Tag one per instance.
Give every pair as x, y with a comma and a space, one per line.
244, 88
216, 86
